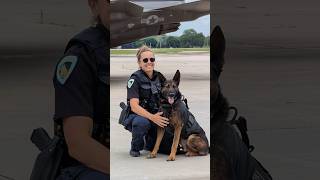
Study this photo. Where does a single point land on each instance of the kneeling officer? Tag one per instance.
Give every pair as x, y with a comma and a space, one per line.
81, 99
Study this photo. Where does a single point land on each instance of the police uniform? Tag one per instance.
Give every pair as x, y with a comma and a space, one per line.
148, 92
143, 130
82, 89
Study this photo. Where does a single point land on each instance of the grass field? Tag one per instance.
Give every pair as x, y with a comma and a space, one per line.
161, 51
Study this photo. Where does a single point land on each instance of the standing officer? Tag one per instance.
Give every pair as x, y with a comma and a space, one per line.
81, 98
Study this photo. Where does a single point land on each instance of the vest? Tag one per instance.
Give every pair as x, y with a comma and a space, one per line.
149, 91
191, 126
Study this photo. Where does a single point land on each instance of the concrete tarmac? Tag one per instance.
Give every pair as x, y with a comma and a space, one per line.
26, 103
195, 85
272, 76
279, 97
275, 89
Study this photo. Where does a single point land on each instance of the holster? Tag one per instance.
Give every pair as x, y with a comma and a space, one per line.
124, 112
47, 164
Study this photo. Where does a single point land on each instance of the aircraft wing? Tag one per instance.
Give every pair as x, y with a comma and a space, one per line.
45, 24
133, 20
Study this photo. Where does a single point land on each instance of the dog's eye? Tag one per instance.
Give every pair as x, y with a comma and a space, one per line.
174, 86
167, 86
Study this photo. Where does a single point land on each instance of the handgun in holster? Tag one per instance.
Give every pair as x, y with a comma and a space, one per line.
124, 112
47, 164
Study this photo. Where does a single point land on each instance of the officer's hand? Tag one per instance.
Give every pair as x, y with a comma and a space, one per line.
159, 120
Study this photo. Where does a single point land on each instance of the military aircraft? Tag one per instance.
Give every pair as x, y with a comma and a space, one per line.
132, 20
43, 24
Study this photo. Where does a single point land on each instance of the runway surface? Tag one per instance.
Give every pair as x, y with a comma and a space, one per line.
194, 85
272, 76
278, 96
26, 103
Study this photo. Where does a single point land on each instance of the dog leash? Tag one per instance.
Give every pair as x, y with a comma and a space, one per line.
185, 101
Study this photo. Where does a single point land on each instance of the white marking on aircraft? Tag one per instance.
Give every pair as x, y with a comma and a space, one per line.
130, 25
153, 19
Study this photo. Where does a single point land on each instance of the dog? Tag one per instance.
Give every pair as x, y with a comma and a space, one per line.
187, 131
231, 158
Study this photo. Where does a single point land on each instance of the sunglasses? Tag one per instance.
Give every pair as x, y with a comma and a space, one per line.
145, 60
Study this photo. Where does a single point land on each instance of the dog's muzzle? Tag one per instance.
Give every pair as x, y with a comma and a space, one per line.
171, 98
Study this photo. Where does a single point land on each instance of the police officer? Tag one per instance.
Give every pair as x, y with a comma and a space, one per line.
81, 98
143, 91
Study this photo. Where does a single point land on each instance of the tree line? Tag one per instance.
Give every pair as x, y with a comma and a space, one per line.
189, 39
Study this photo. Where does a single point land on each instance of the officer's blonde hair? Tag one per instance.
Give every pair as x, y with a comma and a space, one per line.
142, 49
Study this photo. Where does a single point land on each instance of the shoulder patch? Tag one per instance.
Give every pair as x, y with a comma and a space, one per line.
130, 83
65, 68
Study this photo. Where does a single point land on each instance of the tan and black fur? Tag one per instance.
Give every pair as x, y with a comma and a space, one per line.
177, 113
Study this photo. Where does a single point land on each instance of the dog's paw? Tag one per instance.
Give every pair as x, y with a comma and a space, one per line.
151, 155
189, 154
171, 158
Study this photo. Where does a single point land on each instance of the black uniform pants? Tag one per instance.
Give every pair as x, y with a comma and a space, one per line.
144, 134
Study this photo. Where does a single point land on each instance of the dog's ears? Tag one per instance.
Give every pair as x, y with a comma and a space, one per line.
176, 77
162, 79
218, 46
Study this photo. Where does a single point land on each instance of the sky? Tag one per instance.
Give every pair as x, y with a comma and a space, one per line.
201, 24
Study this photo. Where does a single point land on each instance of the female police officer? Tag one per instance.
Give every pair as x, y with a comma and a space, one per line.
143, 96
81, 97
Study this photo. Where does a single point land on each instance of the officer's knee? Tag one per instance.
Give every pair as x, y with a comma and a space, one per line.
141, 123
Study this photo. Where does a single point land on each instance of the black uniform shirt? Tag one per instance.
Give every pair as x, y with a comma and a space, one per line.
133, 86
74, 91
134, 83
75, 82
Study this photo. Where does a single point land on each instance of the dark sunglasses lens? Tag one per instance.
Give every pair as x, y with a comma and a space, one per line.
145, 60
152, 59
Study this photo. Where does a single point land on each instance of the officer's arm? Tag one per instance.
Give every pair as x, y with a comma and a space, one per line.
136, 108
156, 118
82, 147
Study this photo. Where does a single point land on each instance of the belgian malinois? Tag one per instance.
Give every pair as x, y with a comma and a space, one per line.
176, 111
231, 158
